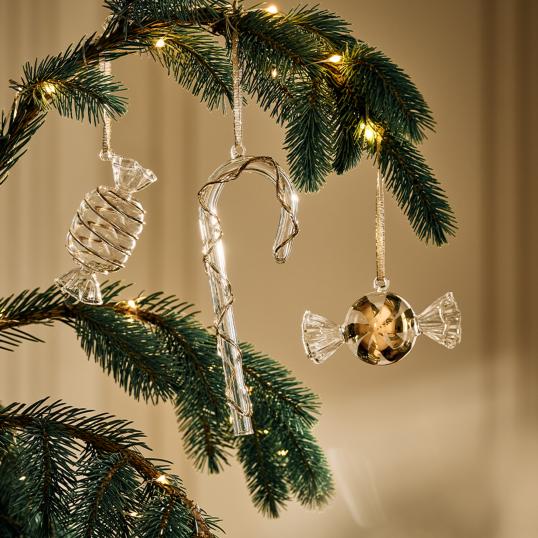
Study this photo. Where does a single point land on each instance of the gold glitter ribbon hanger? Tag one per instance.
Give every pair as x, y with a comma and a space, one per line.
381, 282
106, 151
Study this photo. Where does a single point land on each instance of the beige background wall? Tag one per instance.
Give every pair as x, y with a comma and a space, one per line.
442, 445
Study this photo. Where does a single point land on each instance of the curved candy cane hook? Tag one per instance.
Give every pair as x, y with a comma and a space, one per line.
215, 265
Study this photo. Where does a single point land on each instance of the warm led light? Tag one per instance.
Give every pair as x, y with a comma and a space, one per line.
272, 9
282, 453
22, 478
335, 59
274, 72
162, 479
132, 304
49, 88
369, 134
368, 131
160, 43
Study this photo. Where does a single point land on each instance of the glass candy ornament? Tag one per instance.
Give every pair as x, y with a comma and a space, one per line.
215, 265
237, 394
105, 230
381, 328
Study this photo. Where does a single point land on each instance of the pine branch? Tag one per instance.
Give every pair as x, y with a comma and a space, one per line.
388, 92
416, 190
157, 349
73, 84
59, 82
282, 445
107, 474
105, 496
197, 63
309, 139
328, 28
320, 104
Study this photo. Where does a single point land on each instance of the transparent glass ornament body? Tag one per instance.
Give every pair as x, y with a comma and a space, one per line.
105, 230
215, 263
381, 328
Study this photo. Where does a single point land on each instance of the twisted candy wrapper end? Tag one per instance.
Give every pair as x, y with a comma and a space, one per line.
129, 175
81, 285
441, 321
321, 337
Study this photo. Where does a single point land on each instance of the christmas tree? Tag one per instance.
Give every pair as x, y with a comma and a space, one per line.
72, 472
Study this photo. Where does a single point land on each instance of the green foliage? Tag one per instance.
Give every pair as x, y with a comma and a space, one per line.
105, 496
282, 459
197, 63
388, 92
67, 472
416, 190
60, 82
160, 351
165, 517
309, 138
320, 104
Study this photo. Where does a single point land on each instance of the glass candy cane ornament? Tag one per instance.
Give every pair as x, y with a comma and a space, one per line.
237, 394
381, 327
107, 225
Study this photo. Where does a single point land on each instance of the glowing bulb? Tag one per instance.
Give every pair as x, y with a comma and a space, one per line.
272, 9
160, 43
369, 134
132, 304
282, 453
49, 88
274, 72
335, 59
162, 479
22, 478
369, 131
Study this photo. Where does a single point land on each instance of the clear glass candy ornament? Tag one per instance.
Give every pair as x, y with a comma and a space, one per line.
105, 230
380, 328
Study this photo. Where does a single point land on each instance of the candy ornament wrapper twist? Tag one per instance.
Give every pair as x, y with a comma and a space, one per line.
105, 230
215, 264
381, 328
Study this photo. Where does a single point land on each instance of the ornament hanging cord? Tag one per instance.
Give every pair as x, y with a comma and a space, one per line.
106, 151
381, 282
238, 149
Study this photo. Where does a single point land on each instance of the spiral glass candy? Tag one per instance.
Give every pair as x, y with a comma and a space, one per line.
105, 230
